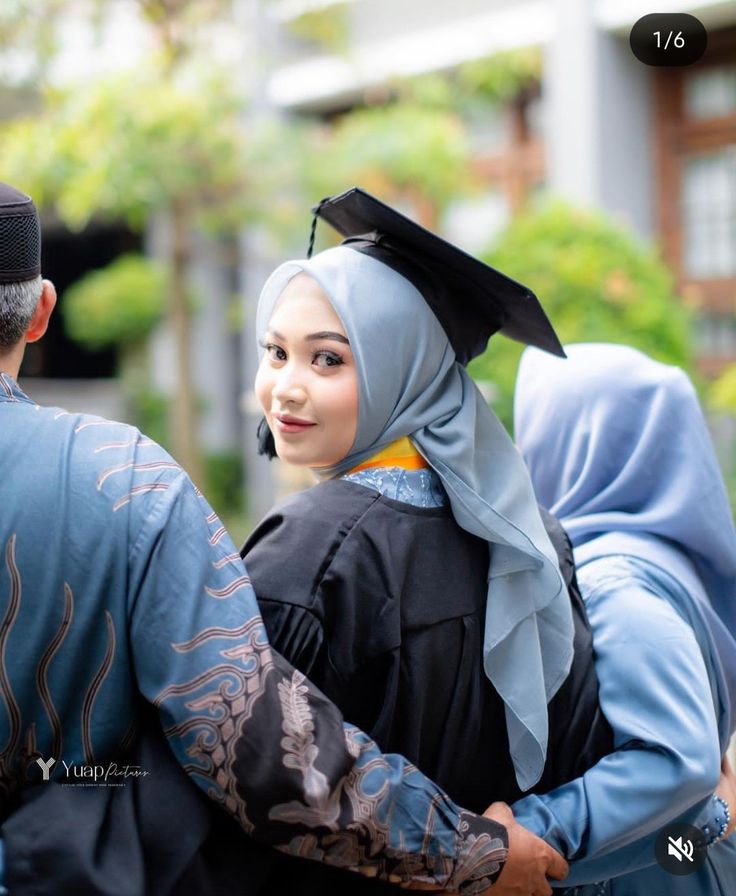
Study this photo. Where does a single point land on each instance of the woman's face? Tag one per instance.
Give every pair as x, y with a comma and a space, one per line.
307, 382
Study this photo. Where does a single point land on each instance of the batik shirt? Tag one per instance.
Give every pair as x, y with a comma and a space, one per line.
119, 582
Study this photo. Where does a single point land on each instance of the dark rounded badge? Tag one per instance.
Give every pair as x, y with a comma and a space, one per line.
673, 38
680, 848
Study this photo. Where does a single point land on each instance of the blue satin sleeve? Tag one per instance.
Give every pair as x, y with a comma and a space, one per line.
654, 690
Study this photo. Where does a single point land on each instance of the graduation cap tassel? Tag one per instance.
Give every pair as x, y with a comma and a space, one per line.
313, 232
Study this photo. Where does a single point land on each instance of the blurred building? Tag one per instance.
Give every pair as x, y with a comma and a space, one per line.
655, 147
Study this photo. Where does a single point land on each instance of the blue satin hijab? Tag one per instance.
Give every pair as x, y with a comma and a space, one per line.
619, 451
411, 385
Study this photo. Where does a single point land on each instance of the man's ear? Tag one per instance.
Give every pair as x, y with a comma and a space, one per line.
40, 320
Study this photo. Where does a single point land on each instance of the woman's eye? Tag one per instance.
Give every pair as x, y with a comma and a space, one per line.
275, 352
326, 359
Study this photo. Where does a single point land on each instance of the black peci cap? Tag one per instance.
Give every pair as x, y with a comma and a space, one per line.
470, 299
20, 236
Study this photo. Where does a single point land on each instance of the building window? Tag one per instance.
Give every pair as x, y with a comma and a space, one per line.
710, 92
715, 336
695, 161
709, 215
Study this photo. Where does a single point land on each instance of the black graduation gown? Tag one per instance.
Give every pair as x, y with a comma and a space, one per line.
382, 605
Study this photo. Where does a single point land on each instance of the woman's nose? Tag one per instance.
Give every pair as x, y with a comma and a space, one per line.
288, 388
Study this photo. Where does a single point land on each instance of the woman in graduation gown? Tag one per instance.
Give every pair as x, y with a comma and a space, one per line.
618, 448
416, 582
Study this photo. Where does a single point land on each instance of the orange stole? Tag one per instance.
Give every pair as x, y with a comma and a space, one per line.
400, 453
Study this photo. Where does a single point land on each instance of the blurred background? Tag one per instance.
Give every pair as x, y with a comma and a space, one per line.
175, 148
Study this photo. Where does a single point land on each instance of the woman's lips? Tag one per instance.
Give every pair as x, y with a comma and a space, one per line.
286, 423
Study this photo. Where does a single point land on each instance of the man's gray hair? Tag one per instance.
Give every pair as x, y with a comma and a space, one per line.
17, 305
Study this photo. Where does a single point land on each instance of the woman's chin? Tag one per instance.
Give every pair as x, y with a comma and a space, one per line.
297, 456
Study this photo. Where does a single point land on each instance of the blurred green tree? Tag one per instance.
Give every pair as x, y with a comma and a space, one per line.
28, 32
131, 146
117, 305
397, 150
165, 138
404, 149
722, 391
596, 282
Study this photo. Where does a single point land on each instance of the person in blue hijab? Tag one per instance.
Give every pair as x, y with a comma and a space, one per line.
618, 450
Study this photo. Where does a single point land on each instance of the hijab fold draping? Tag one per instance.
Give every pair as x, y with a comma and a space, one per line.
619, 451
411, 384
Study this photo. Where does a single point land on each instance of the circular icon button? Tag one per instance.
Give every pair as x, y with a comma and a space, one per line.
673, 38
681, 848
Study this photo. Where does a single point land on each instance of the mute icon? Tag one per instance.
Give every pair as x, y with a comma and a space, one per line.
680, 848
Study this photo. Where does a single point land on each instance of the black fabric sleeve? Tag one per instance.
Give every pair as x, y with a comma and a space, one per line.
327, 571
295, 633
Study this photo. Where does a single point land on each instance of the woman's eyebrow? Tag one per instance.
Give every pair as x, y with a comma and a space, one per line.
327, 334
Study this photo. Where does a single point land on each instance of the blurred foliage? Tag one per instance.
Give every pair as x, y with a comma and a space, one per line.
116, 305
409, 143
239, 525
30, 28
501, 77
474, 86
400, 151
721, 393
596, 283
224, 482
150, 411
149, 141
401, 147
100, 150
179, 24
326, 28
28, 32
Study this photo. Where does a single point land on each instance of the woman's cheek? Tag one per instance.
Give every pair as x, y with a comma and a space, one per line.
262, 386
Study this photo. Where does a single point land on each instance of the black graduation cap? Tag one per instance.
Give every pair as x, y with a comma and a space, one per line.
470, 299
20, 236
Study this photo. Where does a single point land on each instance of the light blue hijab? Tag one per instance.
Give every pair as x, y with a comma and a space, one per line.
411, 385
619, 451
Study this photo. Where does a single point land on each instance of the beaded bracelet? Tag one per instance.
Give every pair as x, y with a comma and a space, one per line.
722, 823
